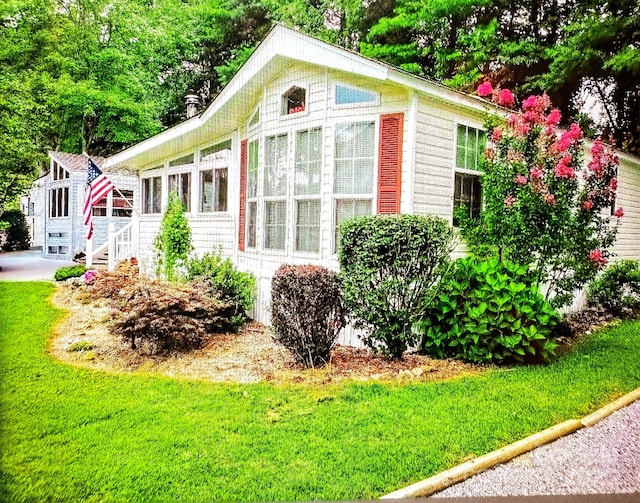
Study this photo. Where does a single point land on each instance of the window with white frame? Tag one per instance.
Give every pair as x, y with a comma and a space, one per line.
294, 100
275, 192
467, 193
59, 173
252, 195
214, 163
180, 183
59, 202
152, 195
354, 169
307, 189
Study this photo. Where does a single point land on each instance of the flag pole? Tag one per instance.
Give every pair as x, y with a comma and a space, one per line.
118, 190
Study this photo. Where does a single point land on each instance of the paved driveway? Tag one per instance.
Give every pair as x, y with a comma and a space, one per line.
29, 265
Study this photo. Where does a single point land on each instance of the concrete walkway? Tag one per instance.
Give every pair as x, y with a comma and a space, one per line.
29, 265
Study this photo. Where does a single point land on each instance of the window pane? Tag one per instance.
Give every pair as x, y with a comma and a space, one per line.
275, 224
467, 194
221, 189
364, 139
349, 208
252, 178
343, 183
344, 141
363, 176
275, 180
354, 158
307, 168
308, 226
347, 95
156, 206
187, 159
206, 191
252, 208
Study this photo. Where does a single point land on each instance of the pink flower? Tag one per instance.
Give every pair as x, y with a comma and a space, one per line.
597, 257
521, 180
536, 173
587, 205
553, 119
613, 185
619, 213
489, 154
506, 98
569, 137
496, 135
531, 103
563, 170
550, 199
485, 89
509, 201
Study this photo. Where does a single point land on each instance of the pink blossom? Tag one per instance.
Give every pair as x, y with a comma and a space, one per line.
521, 180
531, 103
597, 257
485, 89
573, 134
489, 154
496, 135
509, 201
613, 185
533, 116
619, 213
506, 98
550, 199
563, 169
587, 205
89, 276
553, 119
536, 173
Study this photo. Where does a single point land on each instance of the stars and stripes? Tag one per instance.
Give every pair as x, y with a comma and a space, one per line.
98, 186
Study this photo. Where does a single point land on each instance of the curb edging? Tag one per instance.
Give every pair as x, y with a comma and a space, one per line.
462, 472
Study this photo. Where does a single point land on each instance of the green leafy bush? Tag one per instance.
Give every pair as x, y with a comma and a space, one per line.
389, 266
617, 288
173, 242
72, 271
16, 230
224, 282
489, 311
307, 311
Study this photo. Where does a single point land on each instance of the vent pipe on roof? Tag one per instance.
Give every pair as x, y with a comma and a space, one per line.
192, 103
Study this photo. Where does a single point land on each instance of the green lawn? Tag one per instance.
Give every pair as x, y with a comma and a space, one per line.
71, 434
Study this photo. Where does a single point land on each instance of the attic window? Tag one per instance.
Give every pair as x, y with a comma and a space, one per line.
294, 100
346, 95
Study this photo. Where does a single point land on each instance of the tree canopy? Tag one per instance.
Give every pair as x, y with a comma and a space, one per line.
100, 75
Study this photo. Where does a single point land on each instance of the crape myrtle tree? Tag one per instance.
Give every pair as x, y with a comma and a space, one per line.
544, 206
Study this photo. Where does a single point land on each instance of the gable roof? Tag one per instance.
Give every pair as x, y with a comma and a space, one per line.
280, 48
75, 163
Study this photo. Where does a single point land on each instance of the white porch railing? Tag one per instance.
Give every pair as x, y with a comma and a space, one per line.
121, 245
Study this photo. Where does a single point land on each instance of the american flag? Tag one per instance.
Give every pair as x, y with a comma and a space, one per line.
98, 186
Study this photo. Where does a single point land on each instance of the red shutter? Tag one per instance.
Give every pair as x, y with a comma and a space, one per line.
242, 214
390, 163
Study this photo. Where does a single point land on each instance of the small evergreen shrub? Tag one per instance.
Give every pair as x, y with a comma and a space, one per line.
72, 271
617, 288
389, 266
307, 311
16, 231
173, 242
224, 282
489, 311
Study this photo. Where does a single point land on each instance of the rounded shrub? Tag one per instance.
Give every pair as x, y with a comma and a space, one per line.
617, 288
489, 311
307, 311
389, 265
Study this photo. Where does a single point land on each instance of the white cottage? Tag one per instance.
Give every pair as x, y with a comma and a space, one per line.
54, 206
306, 135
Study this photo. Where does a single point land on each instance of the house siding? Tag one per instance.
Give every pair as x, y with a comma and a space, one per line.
627, 245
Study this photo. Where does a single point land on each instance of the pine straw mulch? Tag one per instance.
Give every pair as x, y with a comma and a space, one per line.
249, 356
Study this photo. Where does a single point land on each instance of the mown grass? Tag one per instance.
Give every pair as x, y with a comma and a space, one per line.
68, 434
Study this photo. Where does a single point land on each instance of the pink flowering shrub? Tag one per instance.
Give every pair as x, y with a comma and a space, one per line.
544, 205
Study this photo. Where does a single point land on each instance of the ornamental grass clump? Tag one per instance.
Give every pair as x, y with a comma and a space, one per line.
489, 312
544, 206
307, 311
390, 266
